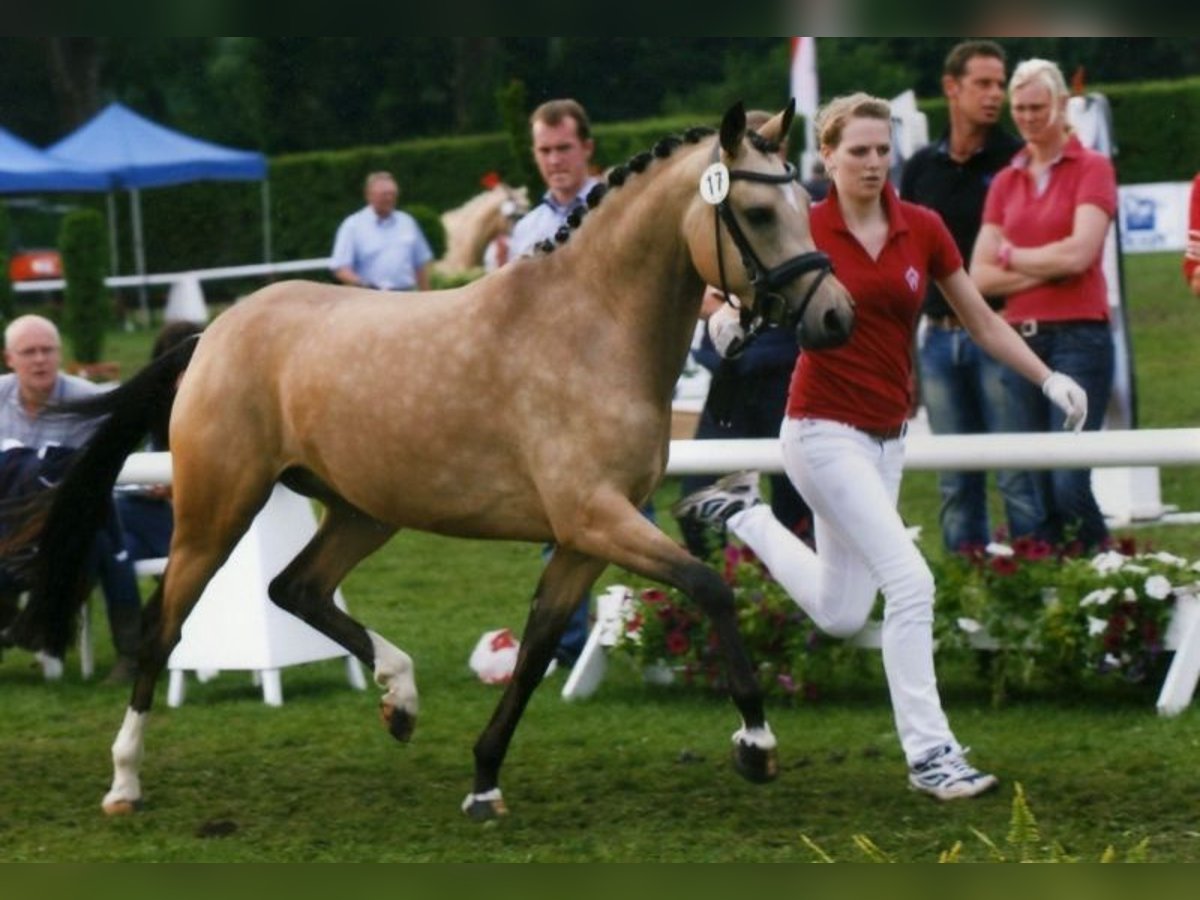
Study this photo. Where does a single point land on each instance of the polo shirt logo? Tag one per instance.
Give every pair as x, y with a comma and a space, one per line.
913, 278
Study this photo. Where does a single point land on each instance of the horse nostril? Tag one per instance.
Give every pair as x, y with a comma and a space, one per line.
837, 324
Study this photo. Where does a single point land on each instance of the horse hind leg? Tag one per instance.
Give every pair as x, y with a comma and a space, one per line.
305, 588
621, 535
567, 577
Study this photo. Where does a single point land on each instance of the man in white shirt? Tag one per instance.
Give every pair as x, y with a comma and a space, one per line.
380, 246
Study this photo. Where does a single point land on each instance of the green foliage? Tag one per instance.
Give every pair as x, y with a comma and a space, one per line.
1042, 611
512, 101
87, 311
666, 631
6, 290
430, 222
1024, 843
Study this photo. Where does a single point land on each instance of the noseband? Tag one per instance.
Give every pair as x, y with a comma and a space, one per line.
770, 306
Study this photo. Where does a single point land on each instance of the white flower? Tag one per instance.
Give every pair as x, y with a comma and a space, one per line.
1099, 598
970, 626
1129, 595
1135, 569
1158, 587
1110, 561
1167, 558
1112, 661
1096, 626
995, 549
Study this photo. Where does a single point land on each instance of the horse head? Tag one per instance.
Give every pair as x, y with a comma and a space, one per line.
756, 242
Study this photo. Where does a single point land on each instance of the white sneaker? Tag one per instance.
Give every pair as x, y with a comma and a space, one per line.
714, 505
944, 773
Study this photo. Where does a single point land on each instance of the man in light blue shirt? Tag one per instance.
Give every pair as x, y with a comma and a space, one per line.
380, 246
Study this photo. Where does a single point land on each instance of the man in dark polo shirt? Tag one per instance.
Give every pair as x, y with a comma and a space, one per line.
960, 384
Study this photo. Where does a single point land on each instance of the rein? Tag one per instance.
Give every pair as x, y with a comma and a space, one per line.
770, 307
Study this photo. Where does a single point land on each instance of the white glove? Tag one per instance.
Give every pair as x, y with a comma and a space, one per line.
725, 330
1065, 393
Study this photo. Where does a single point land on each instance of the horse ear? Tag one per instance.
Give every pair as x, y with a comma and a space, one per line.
733, 128
789, 113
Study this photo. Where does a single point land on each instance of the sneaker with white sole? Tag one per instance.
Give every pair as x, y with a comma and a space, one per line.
714, 505
944, 773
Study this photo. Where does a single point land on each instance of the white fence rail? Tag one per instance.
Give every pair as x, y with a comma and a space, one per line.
257, 270
1094, 449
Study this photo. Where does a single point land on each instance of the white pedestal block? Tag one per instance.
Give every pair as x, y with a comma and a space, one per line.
185, 302
1128, 494
236, 626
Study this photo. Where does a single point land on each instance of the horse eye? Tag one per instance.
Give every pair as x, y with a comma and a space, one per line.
759, 216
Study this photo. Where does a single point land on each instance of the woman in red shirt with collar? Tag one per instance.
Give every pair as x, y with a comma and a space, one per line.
843, 438
1191, 258
1041, 245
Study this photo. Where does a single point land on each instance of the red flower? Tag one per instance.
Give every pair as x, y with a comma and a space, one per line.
1004, 565
678, 643
490, 180
654, 595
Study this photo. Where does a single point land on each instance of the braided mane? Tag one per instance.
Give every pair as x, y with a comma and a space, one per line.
618, 175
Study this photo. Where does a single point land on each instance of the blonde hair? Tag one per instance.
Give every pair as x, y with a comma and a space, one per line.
1045, 73
832, 118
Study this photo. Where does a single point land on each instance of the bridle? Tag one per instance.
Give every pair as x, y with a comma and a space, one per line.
771, 308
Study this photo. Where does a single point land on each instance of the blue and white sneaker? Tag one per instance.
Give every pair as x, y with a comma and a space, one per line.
714, 505
944, 773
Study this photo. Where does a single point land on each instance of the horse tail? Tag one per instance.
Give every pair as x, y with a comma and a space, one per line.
60, 576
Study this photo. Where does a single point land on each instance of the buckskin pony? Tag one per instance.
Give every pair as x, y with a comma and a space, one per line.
532, 404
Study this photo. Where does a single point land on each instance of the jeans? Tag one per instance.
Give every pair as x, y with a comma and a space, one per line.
852, 482
1085, 352
758, 413
964, 393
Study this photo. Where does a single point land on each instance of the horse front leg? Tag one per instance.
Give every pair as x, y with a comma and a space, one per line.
567, 577
623, 536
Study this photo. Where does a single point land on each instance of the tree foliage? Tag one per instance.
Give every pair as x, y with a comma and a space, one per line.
293, 94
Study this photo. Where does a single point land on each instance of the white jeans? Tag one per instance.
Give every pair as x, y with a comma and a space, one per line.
852, 483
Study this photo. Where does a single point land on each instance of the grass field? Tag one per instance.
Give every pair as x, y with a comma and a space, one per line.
635, 773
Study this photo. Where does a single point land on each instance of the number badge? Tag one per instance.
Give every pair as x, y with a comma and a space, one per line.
714, 183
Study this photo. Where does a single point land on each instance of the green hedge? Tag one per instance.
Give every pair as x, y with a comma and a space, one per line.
215, 223
87, 311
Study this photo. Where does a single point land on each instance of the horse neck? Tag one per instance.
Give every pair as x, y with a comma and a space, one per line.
632, 257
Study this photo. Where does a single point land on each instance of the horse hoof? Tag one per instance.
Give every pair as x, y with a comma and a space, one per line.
121, 807
397, 721
755, 764
484, 807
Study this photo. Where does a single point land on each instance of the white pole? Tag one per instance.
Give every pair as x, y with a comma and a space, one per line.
113, 258
139, 251
266, 220
1141, 447
941, 452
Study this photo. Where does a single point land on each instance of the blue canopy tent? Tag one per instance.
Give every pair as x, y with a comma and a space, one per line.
25, 169
136, 153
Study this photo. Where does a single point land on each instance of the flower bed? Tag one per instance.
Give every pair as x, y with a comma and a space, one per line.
1037, 609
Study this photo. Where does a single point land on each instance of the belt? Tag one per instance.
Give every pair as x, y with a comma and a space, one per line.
948, 322
885, 434
1030, 327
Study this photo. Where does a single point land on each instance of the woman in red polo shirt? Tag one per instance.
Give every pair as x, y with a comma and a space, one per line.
1191, 257
843, 441
1041, 245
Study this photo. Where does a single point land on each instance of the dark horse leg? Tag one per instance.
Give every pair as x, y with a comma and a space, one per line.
305, 588
617, 532
567, 576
